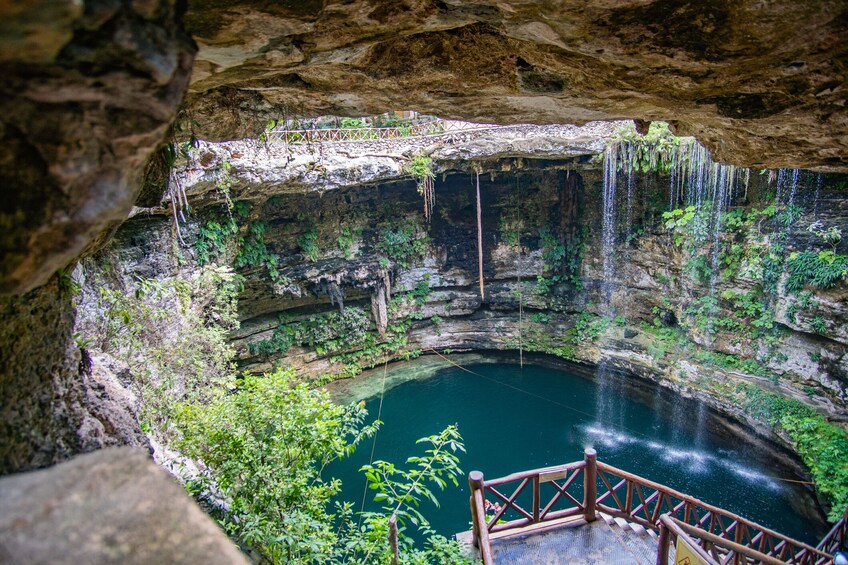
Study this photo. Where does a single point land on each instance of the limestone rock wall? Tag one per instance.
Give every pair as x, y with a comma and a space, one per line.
331, 249
89, 92
55, 401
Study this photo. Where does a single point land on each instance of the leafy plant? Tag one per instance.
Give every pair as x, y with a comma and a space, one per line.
402, 244
831, 236
420, 167
213, 238
345, 241
326, 333
308, 240
824, 269
823, 446
400, 491
173, 335
265, 448
254, 252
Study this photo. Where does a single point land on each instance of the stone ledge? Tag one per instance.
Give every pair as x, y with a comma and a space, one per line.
111, 506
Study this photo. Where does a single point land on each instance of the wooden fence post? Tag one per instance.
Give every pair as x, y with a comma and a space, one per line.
475, 483
537, 503
662, 545
590, 484
478, 517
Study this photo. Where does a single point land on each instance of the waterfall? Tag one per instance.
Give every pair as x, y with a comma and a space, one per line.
605, 410
794, 189
819, 181
608, 222
781, 180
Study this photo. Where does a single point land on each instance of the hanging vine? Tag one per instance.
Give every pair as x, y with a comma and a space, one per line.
419, 168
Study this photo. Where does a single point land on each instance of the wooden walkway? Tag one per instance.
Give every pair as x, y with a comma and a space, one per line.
590, 512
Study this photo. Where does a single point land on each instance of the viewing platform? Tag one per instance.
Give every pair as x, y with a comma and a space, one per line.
588, 512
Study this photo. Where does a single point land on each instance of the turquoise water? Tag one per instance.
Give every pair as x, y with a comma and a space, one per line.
514, 419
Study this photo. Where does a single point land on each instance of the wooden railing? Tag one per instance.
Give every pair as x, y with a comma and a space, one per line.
642, 501
837, 538
341, 135
620, 494
670, 532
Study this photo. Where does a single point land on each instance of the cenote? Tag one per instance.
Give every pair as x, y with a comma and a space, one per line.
513, 418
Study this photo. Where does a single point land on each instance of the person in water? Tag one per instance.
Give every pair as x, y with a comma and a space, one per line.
494, 508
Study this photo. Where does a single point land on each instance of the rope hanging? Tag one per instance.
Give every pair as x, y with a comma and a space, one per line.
480, 239
520, 289
374, 443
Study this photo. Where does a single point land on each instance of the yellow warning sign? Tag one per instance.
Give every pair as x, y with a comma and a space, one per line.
686, 555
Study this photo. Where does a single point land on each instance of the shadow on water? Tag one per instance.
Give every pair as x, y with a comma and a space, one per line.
513, 419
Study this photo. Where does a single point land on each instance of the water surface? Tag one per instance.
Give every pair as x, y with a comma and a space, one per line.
514, 419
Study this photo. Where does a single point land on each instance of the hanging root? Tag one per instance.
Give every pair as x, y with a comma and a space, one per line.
427, 190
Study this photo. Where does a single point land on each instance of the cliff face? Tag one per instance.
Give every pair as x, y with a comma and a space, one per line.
353, 273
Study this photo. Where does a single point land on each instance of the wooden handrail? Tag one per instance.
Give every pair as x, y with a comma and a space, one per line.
733, 549
668, 524
837, 537
695, 510
629, 498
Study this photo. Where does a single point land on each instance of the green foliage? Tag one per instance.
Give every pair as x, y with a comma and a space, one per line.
731, 259
308, 240
654, 151
831, 236
353, 123
254, 252
213, 238
266, 446
172, 333
789, 215
329, 332
679, 218
818, 325
402, 244
544, 284
699, 267
734, 220
421, 291
589, 327
400, 491
824, 269
752, 312
823, 446
420, 168
735, 363
346, 240
701, 313
561, 258
552, 250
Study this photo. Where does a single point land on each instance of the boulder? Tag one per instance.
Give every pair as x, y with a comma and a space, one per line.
111, 506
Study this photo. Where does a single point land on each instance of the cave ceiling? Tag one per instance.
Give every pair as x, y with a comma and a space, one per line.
761, 84
91, 88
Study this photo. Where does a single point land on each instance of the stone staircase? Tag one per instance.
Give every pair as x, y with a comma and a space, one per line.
606, 541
